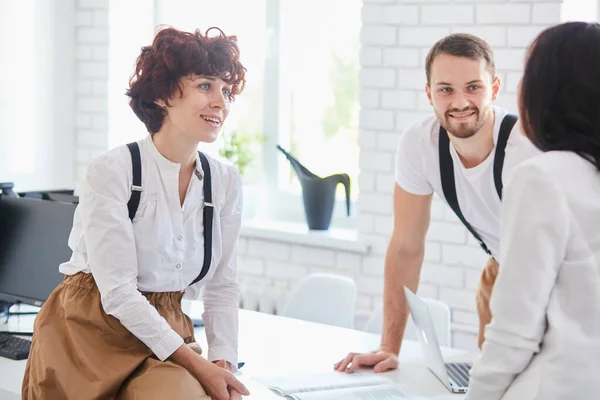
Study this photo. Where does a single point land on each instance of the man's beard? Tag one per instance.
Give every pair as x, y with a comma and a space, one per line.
463, 130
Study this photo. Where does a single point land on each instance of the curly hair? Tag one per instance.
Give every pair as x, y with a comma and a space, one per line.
559, 101
173, 55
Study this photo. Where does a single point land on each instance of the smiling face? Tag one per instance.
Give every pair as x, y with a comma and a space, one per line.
202, 108
461, 91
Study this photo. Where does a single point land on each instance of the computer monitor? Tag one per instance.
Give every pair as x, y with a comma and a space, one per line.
65, 198
64, 195
33, 242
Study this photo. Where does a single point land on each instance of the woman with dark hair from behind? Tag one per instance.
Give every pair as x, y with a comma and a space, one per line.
544, 338
114, 328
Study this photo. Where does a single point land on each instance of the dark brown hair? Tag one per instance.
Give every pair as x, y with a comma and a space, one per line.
461, 45
174, 55
559, 101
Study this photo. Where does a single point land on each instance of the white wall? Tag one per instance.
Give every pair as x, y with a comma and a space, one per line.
580, 10
91, 82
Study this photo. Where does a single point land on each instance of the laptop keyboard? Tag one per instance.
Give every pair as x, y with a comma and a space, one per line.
459, 373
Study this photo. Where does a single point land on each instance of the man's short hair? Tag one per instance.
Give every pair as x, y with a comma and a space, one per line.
461, 45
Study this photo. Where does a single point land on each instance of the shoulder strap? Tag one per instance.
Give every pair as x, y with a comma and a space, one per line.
449, 187
136, 187
207, 218
505, 129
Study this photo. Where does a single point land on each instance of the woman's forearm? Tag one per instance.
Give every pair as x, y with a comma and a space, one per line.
186, 357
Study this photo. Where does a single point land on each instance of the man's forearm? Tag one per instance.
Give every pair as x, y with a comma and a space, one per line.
401, 269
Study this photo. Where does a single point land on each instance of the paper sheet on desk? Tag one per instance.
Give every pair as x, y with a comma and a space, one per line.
335, 385
320, 381
386, 392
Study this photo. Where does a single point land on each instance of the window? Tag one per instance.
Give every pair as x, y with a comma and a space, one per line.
319, 64
317, 45
20, 160
36, 111
301, 90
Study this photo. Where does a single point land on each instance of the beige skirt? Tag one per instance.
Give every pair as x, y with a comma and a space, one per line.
79, 352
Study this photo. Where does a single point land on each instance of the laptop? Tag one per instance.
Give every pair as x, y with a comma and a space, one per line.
455, 376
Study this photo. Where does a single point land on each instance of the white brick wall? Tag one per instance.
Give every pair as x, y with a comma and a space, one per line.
395, 39
91, 98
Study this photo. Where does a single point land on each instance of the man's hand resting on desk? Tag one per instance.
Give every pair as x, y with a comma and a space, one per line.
381, 360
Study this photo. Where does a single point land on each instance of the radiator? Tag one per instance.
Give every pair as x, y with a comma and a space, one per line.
267, 299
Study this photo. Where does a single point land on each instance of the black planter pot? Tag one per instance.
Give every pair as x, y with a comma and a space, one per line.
318, 194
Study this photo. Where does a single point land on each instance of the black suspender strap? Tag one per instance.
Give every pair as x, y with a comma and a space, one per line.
505, 129
136, 187
447, 171
449, 187
208, 207
207, 218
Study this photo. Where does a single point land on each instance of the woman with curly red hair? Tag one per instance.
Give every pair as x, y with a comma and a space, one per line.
157, 220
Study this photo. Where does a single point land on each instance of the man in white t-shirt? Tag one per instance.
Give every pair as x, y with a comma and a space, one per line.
463, 154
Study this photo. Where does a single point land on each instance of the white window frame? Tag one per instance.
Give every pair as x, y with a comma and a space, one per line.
283, 205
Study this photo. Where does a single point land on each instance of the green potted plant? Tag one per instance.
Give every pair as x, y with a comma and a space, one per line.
241, 150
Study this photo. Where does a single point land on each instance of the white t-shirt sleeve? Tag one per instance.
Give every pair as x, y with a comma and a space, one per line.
410, 164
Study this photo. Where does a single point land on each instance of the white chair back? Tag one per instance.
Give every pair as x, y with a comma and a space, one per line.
324, 298
440, 314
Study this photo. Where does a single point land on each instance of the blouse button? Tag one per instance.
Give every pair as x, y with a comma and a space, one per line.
180, 237
178, 266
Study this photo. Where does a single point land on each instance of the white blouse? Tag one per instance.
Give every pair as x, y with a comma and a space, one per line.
544, 338
163, 250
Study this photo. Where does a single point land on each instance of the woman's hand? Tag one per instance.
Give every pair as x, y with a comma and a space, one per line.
224, 364
218, 382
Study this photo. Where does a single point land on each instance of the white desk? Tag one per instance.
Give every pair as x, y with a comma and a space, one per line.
273, 345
